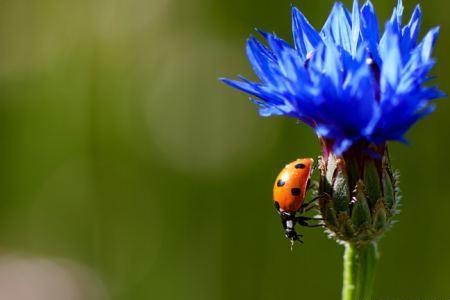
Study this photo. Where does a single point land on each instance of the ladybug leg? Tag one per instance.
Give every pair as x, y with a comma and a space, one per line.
297, 239
288, 221
305, 224
311, 204
303, 221
292, 235
308, 206
315, 165
313, 200
303, 218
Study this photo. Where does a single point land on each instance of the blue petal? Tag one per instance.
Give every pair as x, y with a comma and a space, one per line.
332, 66
391, 56
398, 117
267, 109
356, 26
394, 24
410, 33
370, 22
370, 30
246, 87
341, 146
414, 26
428, 43
338, 27
397, 14
261, 59
306, 38
345, 82
287, 58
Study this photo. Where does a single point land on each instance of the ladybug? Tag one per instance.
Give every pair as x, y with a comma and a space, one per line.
289, 194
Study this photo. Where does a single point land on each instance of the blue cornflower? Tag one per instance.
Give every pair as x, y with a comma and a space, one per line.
349, 82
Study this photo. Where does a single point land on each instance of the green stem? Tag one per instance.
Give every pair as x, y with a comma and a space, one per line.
359, 271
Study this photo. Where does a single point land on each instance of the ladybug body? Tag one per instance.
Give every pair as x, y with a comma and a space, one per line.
290, 187
289, 193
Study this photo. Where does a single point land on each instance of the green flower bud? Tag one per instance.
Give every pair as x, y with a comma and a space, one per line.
361, 210
358, 194
372, 182
340, 190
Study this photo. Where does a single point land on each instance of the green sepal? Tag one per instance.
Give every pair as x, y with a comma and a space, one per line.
345, 226
361, 210
329, 176
379, 217
389, 190
397, 193
352, 170
365, 234
331, 216
327, 211
341, 192
372, 182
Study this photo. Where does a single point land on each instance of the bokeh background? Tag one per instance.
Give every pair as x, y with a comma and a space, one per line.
121, 152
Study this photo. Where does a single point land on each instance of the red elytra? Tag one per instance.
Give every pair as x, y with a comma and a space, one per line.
291, 184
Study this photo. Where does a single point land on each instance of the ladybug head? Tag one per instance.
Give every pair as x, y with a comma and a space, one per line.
292, 235
289, 221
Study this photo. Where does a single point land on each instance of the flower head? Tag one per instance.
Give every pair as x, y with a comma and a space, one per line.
349, 82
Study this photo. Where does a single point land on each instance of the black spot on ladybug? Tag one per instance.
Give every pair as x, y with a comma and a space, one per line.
300, 166
296, 191
280, 183
277, 205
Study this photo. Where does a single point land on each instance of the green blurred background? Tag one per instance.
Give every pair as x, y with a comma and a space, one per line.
120, 150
